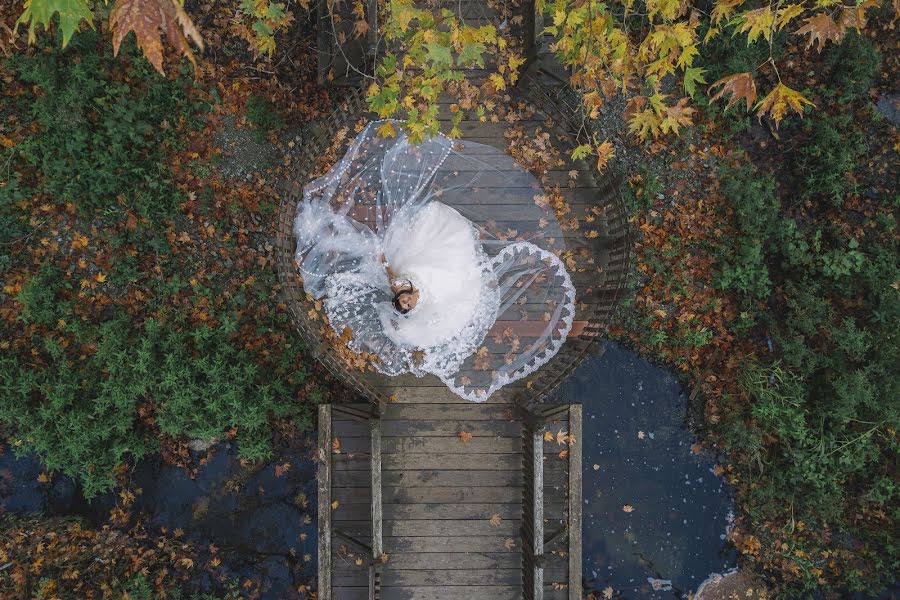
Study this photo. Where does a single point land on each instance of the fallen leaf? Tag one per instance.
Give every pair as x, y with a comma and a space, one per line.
465, 436
496, 520
641, 435
335, 504
695, 448
509, 544
147, 18
548, 437
608, 592
628, 508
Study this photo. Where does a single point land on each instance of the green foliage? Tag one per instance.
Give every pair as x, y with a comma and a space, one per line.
105, 126
851, 67
41, 13
827, 157
81, 413
263, 115
757, 219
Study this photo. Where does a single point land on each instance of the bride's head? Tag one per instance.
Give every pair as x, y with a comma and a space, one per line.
406, 300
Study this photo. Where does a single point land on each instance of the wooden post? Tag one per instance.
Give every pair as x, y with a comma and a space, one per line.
538, 507
324, 477
575, 504
375, 430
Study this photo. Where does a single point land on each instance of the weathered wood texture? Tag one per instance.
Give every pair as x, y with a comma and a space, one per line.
458, 516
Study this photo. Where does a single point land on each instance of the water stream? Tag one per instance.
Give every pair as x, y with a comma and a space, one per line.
655, 513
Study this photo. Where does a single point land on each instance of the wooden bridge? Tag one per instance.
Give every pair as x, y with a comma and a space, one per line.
423, 495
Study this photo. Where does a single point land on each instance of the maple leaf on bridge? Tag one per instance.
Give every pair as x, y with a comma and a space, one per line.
146, 18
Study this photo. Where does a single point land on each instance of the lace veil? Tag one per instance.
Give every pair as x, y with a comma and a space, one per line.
345, 217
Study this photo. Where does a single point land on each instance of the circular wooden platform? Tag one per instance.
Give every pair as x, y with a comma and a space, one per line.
593, 235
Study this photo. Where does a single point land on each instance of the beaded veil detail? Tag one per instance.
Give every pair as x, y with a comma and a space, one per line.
463, 225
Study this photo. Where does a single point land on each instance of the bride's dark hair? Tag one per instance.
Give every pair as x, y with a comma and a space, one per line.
396, 302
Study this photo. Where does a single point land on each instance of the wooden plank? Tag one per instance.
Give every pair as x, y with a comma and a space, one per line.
447, 446
470, 411
470, 592
349, 593
435, 478
398, 427
375, 430
575, 504
431, 528
455, 560
433, 495
473, 510
324, 502
486, 462
454, 577
445, 544
537, 491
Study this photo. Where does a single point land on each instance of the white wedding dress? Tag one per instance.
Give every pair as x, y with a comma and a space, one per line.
490, 311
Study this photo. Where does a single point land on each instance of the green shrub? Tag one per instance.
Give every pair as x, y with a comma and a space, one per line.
758, 224
851, 66
827, 157
106, 125
80, 413
263, 116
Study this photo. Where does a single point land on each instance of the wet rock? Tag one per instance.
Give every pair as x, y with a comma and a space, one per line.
61, 498
201, 445
733, 585
889, 106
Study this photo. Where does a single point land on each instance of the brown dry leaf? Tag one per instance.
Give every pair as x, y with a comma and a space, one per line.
561, 437
336, 446
821, 28
628, 508
147, 18
563, 453
605, 151
465, 436
741, 87
335, 504
695, 448
361, 27
510, 544
187, 563
282, 469
608, 592
548, 436
496, 519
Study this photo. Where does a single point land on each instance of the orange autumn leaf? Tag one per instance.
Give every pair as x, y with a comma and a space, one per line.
336, 446
821, 28
465, 436
740, 86
282, 469
147, 19
605, 152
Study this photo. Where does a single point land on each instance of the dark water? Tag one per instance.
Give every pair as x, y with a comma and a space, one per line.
637, 451
263, 524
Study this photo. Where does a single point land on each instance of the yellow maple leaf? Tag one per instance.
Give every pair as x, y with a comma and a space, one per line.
387, 130
100, 277
755, 23
779, 101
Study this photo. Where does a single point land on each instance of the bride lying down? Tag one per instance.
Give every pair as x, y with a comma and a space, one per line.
392, 240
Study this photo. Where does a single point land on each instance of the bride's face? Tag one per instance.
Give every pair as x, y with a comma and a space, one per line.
408, 300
